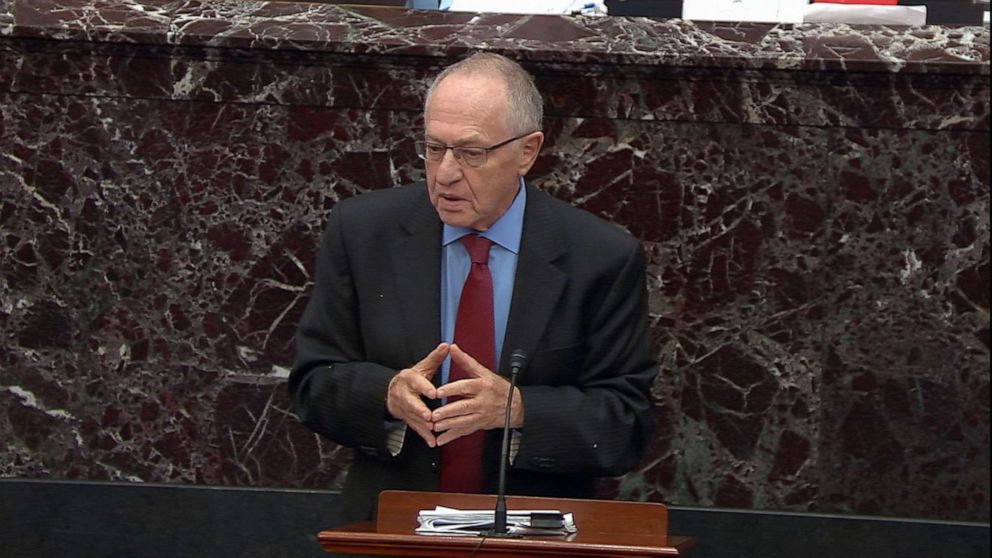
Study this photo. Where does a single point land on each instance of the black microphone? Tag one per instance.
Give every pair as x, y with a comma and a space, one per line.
518, 361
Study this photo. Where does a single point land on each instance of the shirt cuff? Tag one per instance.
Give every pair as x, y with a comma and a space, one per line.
514, 445
395, 433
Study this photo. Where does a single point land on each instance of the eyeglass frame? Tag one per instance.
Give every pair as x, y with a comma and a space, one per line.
458, 150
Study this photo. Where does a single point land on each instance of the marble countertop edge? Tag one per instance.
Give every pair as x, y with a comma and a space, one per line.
324, 28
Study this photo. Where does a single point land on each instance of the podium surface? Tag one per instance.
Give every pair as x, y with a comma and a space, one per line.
605, 528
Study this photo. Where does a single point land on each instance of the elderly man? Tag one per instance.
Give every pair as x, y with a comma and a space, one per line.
423, 292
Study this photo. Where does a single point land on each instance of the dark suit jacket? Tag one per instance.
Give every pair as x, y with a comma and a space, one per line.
579, 310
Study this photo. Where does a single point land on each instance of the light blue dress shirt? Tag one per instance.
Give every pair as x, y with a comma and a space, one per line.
443, 5
455, 263
422, 4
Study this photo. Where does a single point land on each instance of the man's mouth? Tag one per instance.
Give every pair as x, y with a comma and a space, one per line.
450, 200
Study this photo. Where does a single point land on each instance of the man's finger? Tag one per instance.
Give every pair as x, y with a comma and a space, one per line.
429, 365
403, 396
423, 429
460, 388
453, 409
422, 386
462, 424
453, 434
416, 408
467, 362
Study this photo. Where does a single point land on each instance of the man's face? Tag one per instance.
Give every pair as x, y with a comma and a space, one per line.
468, 111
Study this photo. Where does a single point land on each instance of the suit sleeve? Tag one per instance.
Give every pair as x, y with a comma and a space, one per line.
600, 424
335, 392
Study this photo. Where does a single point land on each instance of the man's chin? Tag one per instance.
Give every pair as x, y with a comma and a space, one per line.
456, 218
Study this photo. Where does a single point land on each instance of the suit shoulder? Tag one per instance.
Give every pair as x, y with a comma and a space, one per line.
398, 199
375, 217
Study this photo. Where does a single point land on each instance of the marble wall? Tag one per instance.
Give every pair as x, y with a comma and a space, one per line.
814, 201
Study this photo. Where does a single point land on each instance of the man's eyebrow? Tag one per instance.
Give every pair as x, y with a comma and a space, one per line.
476, 139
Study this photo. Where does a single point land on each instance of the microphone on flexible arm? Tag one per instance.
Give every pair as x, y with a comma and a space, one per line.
518, 361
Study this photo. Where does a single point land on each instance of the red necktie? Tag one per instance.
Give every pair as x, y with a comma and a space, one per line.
461, 460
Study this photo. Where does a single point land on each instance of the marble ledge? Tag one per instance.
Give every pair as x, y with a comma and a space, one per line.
590, 40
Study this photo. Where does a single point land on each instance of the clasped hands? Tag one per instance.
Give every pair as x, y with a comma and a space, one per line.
480, 401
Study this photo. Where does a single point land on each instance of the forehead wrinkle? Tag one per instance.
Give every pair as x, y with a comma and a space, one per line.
464, 141
467, 106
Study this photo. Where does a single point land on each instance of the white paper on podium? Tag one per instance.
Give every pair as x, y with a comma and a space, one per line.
914, 16
766, 11
450, 521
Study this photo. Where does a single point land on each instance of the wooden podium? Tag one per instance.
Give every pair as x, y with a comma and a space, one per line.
606, 528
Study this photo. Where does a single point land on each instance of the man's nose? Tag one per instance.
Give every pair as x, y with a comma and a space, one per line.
448, 169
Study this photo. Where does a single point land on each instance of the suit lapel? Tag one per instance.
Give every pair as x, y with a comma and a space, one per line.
416, 260
539, 283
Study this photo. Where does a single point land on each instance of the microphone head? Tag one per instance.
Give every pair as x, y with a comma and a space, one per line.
518, 360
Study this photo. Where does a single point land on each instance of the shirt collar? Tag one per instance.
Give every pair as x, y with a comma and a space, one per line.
506, 231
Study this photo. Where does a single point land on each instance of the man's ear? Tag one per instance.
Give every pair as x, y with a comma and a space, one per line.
530, 149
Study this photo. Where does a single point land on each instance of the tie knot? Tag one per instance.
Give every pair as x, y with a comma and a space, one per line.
478, 248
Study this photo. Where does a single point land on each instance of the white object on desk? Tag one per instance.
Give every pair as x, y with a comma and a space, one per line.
914, 16
770, 11
585, 7
450, 521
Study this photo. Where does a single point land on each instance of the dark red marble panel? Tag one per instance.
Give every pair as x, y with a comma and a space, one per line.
904, 357
94, 20
769, 97
814, 201
734, 270
389, 82
159, 266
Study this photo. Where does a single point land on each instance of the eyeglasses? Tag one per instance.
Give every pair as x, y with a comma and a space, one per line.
471, 156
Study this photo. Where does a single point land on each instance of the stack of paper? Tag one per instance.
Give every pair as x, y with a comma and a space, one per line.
450, 521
